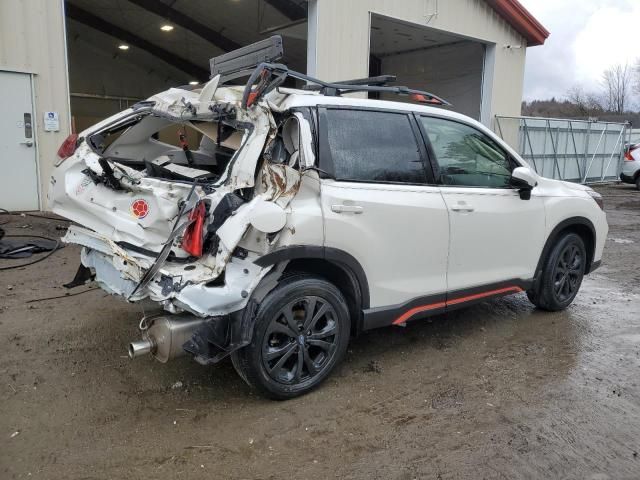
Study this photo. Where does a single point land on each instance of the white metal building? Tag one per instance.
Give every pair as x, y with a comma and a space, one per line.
66, 64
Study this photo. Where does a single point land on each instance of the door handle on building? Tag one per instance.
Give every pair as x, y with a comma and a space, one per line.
347, 209
28, 143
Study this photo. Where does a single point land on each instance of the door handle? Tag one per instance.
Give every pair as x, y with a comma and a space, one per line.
462, 207
28, 143
357, 209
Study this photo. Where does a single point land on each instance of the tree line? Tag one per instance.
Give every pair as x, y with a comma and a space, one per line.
615, 99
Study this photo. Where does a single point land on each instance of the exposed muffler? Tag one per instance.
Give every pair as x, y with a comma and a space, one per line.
163, 336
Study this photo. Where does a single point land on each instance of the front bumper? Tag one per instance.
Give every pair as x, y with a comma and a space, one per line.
626, 178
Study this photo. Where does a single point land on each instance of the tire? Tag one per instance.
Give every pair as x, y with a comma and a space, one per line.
562, 275
285, 360
638, 182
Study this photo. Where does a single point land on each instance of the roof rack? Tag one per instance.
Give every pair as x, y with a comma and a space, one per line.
256, 61
268, 76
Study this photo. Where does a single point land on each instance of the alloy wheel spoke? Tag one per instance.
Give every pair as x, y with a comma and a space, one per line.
308, 361
322, 311
279, 364
329, 331
276, 352
300, 363
310, 308
324, 345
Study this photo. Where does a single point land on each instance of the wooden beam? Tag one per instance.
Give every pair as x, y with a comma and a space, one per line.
97, 23
289, 9
176, 16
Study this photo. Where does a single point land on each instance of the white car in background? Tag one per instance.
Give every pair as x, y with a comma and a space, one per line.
305, 217
631, 165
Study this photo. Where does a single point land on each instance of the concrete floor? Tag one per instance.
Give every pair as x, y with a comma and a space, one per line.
499, 390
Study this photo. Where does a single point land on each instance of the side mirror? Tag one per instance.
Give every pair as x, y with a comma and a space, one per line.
524, 180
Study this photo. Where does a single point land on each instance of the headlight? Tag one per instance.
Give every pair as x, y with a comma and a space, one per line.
597, 198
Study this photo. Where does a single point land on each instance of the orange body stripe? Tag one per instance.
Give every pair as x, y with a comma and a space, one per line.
433, 306
483, 294
423, 308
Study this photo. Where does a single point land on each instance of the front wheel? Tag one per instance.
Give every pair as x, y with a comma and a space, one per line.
562, 275
301, 333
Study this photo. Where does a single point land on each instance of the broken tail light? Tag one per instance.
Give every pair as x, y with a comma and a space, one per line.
67, 148
627, 154
192, 239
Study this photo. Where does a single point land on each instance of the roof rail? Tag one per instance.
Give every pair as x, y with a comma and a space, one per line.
373, 81
268, 76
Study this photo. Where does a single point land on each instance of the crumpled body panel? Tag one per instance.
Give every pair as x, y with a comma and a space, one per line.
133, 223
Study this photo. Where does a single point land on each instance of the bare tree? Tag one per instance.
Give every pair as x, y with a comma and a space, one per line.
616, 82
587, 104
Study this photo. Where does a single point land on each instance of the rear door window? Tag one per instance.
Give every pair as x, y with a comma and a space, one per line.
373, 146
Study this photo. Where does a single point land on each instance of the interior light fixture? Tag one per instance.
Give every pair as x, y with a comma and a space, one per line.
166, 28
193, 82
123, 46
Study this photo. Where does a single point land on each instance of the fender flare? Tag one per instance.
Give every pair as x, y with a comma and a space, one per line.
333, 255
564, 224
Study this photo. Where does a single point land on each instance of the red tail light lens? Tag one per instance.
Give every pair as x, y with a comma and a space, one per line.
68, 147
192, 239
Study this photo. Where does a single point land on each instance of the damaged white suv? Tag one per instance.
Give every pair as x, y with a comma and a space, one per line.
304, 217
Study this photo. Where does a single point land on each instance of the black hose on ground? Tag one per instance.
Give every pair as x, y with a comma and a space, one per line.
3, 235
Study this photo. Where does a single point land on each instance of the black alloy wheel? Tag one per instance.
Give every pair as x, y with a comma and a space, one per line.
300, 341
302, 329
568, 272
561, 276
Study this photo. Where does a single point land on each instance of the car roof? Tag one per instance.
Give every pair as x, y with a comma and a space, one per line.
291, 98
303, 98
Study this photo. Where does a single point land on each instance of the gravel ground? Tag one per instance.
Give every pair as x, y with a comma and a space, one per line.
499, 390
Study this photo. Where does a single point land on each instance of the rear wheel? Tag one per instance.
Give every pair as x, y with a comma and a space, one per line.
301, 333
638, 182
562, 275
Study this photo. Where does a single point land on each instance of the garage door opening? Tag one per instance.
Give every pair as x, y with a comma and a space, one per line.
442, 63
121, 54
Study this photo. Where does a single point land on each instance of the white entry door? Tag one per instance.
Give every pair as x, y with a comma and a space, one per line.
18, 170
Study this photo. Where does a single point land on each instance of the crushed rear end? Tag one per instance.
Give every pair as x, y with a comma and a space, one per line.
169, 221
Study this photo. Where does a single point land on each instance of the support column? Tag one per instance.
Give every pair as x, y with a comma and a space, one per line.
338, 39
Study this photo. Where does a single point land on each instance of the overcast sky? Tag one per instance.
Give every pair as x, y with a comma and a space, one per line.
587, 36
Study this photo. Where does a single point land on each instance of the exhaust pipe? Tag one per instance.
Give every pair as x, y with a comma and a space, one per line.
164, 337
139, 348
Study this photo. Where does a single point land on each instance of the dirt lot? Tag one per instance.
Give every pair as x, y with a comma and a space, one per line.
499, 390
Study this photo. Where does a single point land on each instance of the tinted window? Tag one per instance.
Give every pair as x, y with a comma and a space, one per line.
374, 147
466, 156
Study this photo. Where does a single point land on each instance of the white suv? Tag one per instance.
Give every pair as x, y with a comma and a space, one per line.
305, 217
631, 165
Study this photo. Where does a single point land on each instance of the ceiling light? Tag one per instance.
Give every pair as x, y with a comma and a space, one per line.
123, 47
193, 82
166, 28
